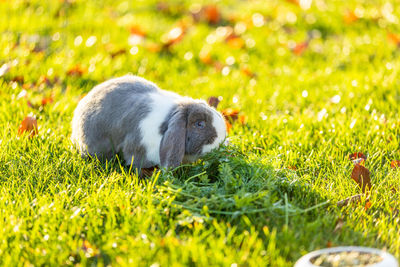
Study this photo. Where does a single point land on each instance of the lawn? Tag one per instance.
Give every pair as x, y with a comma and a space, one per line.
312, 81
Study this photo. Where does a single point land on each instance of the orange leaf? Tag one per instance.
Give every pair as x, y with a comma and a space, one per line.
211, 14
394, 38
296, 2
29, 124
234, 41
205, 57
230, 114
395, 164
329, 244
368, 205
246, 71
361, 176
136, 30
19, 79
213, 101
228, 126
300, 48
242, 119
350, 17
153, 47
77, 70
292, 168
47, 100
357, 155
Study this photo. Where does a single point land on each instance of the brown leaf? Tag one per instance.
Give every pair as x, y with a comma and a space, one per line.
357, 155
395, 164
234, 41
29, 124
212, 14
118, 52
137, 30
47, 100
19, 79
230, 114
246, 71
243, 119
213, 101
228, 126
394, 38
361, 176
77, 70
368, 205
299, 48
350, 17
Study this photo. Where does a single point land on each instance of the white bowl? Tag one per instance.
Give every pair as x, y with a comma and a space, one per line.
388, 259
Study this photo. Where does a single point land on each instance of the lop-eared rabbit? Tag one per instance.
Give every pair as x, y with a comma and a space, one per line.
149, 126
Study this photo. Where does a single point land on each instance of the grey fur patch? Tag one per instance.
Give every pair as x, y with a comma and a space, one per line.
193, 138
172, 147
106, 121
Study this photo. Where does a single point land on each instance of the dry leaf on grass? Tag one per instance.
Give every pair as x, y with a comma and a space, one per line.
29, 125
361, 176
76, 70
214, 101
350, 17
395, 164
300, 48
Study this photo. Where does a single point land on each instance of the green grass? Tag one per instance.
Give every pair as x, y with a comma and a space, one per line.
243, 204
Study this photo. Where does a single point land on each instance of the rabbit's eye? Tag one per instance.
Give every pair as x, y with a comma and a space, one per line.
200, 124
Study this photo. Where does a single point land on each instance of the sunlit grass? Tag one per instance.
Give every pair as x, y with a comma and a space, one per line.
267, 198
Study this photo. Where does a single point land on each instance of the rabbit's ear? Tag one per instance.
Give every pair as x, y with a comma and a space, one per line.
172, 147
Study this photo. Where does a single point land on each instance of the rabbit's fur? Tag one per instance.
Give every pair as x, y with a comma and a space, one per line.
150, 126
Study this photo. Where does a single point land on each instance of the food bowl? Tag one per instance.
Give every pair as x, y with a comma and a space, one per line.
347, 257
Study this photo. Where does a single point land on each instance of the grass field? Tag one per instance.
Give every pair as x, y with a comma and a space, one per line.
312, 84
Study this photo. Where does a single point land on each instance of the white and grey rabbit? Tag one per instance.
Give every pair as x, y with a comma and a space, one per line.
148, 125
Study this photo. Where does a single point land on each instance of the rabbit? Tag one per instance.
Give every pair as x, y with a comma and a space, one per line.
148, 125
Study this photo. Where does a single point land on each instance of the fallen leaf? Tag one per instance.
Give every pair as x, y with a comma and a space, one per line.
77, 70
368, 205
234, 41
394, 38
47, 100
299, 48
329, 244
361, 176
246, 71
230, 114
296, 2
357, 155
137, 30
29, 124
243, 119
212, 14
205, 57
213, 101
118, 52
350, 17
292, 168
153, 47
228, 126
395, 164
19, 79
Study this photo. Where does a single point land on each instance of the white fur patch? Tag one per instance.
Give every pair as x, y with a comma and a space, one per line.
220, 128
161, 103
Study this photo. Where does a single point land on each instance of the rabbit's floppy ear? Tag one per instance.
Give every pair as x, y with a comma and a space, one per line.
172, 147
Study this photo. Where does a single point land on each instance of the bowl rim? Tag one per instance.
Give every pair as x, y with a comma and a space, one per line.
388, 259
